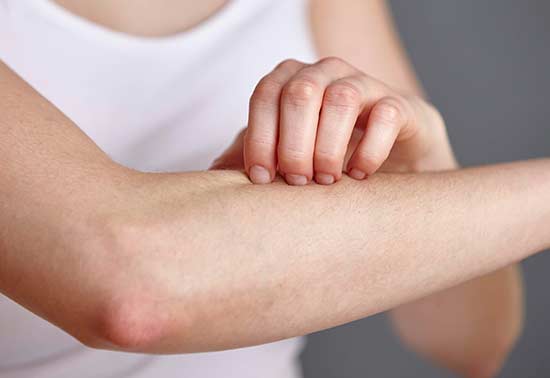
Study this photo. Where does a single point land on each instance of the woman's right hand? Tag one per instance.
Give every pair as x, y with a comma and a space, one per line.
303, 117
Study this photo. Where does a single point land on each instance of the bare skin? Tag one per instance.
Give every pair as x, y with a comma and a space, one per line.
144, 17
124, 260
471, 328
388, 63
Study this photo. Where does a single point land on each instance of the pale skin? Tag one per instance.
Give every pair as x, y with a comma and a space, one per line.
122, 298
455, 328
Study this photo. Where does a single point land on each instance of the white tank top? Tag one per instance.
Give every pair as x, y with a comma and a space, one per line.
155, 104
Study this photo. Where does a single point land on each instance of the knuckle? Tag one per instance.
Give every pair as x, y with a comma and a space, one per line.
288, 64
343, 95
333, 61
266, 92
389, 110
300, 91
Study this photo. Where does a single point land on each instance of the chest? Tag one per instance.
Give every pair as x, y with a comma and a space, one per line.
145, 17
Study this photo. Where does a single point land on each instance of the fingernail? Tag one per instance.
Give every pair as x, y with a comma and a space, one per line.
357, 174
259, 175
296, 179
324, 178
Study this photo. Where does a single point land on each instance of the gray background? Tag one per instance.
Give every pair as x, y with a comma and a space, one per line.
485, 64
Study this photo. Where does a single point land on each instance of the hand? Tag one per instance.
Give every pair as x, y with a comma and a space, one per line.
304, 118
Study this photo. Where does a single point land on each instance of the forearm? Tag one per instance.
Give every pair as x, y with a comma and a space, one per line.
204, 261
233, 264
470, 328
370, 25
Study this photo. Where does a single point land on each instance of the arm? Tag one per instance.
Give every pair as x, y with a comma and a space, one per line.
363, 33
483, 316
206, 261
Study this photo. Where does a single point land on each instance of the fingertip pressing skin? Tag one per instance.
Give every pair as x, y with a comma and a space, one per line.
339, 112
302, 118
260, 141
300, 103
324, 179
259, 175
357, 174
302, 99
297, 180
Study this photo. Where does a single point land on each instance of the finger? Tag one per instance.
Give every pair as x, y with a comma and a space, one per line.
260, 142
346, 102
342, 104
301, 101
389, 117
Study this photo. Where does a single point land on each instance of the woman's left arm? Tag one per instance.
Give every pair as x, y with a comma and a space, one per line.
472, 327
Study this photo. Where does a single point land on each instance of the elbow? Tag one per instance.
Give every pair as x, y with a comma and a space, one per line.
472, 351
487, 358
136, 303
488, 368
132, 325
490, 363
507, 328
131, 321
